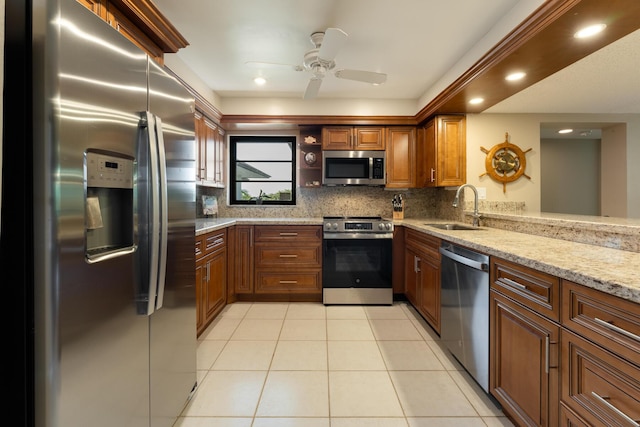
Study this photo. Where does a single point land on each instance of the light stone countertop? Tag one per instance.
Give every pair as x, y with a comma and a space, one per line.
613, 271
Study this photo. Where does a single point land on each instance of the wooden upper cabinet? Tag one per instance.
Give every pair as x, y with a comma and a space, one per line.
401, 157
353, 138
141, 22
443, 152
210, 152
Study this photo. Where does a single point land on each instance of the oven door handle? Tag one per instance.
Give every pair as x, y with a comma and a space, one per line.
352, 236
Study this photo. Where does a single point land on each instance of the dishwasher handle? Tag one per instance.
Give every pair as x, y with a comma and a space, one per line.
464, 260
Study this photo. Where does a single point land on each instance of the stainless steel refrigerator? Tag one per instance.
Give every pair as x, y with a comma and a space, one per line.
99, 143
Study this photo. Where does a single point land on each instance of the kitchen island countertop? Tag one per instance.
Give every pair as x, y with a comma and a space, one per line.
609, 270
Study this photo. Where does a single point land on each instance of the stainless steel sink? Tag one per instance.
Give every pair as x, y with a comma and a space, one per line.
452, 226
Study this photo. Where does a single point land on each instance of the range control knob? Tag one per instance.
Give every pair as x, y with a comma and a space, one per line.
335, 226
381, 226
387, 226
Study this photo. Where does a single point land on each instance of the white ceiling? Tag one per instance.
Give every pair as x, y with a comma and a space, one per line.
422, 45
415, 42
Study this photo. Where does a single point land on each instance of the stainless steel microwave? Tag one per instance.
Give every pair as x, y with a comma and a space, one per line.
353, 167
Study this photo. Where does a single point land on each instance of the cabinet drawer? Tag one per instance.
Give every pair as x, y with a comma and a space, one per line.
282, 256
214, 240
612, 322
199, 246
536, 290
428, 244
279, 281
598, 386
269, 233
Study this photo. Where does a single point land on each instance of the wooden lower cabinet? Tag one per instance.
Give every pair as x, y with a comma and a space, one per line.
524, 357
599, 386
276, 263
568, 418
288, 262
600, 356
242, 262
211, 277
422, 275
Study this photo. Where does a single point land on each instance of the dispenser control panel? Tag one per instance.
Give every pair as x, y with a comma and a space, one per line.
104, 171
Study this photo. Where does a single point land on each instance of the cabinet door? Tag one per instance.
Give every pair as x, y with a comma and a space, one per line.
451, 168
210, 130
99, 7
411, 274
369, 138
200, 296
444, 152
216, 292
427, 156
429, 292
523, 362
124, 26
401, 157
243, 261
201, 147
337, 138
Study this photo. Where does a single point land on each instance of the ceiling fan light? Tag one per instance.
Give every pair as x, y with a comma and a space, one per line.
260, 81
589, 31
515, 76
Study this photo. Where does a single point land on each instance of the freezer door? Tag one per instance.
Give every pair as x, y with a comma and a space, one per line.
173, 323
91, 343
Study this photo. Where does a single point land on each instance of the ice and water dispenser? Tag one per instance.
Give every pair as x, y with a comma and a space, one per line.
109, 218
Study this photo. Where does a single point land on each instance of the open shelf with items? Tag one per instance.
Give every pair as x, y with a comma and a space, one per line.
310, 157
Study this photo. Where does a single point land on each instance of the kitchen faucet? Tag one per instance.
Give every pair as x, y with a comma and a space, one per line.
456, 200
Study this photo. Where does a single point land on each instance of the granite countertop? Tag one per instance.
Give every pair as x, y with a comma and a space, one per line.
610, 270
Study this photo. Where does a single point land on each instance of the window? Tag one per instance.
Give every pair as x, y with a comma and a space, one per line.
263, 170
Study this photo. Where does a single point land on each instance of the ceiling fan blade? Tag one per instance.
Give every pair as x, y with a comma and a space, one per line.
271, 65
312, 88
332, 41
362, 76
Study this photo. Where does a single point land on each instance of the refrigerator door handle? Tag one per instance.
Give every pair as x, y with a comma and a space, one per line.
163, 212
154, 213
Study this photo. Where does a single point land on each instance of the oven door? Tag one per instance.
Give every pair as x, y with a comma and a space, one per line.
356, 261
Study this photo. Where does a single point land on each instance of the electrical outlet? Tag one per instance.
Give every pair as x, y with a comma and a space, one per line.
482, 193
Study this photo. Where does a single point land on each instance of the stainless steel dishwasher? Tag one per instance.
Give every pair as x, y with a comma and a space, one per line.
464, 328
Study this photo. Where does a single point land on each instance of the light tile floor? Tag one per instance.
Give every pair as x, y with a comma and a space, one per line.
310, 365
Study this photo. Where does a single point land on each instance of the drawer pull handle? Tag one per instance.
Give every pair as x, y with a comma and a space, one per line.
288, 256
288, 282
617, 329
513, 283
288, 234
614, 409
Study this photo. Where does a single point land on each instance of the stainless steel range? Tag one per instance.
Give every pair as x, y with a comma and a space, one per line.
357, 260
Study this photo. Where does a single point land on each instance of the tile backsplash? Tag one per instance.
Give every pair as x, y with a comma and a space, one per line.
341, 201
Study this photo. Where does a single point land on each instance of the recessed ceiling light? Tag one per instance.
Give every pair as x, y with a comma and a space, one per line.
476, 101
259, 81
565, 131
589, 31
515, 76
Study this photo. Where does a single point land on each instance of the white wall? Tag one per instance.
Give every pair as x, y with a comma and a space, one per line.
614, 171
487, 130
570, 176
524, 129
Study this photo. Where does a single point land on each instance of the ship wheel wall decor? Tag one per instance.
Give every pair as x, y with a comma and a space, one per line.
505, 162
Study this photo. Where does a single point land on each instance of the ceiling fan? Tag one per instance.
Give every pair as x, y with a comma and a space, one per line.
320, 60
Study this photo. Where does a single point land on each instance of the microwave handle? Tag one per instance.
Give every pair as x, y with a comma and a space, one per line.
370, 167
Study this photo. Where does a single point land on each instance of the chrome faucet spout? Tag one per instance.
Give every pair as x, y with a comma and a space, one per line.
456, 201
